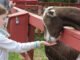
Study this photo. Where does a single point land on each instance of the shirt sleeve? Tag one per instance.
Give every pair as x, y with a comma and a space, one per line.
13, 46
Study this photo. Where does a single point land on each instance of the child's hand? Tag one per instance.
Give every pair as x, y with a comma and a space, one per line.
48, 43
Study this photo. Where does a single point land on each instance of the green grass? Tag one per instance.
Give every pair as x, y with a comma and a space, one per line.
14, 56
39, 54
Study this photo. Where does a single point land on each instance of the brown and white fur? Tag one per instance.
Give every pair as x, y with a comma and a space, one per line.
55, 18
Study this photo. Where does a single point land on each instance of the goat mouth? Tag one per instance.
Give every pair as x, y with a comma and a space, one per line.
50, 38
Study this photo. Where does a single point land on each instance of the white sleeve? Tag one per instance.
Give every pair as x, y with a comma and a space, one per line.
14, 46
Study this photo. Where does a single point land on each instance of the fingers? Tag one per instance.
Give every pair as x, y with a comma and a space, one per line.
48, 43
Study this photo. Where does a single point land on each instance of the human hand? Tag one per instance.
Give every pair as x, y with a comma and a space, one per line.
48, 43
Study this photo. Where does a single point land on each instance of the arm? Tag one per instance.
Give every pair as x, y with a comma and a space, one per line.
12, 45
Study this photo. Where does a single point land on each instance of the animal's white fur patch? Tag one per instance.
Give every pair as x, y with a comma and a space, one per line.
47, 9
52, 15
48, 37
78, 58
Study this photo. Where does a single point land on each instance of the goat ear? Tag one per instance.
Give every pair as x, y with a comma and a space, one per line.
51, 13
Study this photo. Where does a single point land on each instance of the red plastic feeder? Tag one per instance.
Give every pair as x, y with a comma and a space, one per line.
71, 37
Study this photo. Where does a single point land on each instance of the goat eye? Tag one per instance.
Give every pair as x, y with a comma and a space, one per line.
51, 13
